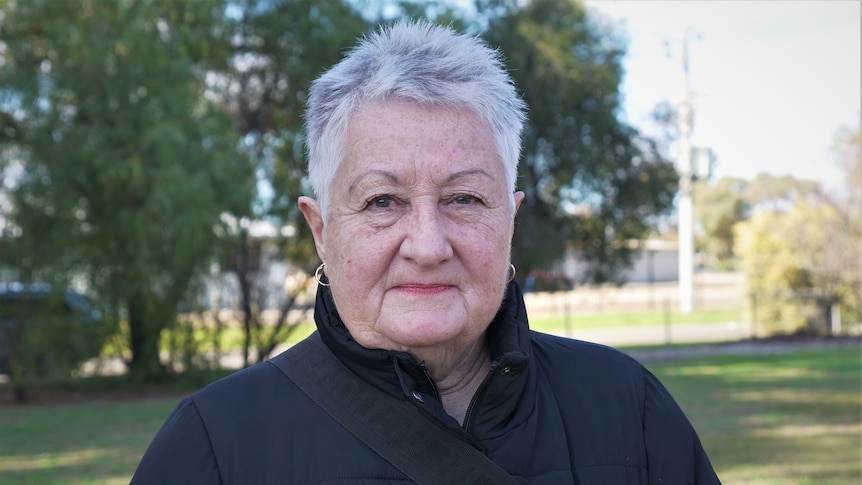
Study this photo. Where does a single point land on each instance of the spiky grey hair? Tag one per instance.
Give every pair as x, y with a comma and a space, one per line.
414, 61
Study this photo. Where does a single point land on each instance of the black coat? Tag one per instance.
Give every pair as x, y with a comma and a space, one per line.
554, 411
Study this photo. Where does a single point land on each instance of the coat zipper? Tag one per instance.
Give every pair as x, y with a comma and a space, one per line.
475, 401
433, 385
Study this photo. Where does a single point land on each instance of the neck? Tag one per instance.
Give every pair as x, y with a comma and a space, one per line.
458, 376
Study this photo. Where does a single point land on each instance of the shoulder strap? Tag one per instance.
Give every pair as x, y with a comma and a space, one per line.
393, 428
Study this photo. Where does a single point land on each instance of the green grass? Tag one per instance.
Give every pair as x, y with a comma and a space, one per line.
552, 323
77, 444
776, 419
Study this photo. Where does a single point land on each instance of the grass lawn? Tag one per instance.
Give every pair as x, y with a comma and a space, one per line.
92, 443
788, 418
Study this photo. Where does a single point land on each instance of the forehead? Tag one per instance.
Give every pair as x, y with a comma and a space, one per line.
403, 135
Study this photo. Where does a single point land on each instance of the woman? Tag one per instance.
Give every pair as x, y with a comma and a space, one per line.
413, 144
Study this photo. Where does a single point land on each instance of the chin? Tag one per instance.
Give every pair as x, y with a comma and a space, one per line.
409, 329
430, 333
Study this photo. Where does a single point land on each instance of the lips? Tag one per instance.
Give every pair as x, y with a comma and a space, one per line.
422, 289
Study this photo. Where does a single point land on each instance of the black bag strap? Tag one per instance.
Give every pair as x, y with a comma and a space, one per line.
393, 428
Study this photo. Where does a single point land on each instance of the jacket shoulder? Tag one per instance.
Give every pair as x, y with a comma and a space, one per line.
568, 355
594, 382
237, 386
617, 403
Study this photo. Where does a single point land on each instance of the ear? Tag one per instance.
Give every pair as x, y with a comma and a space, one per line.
519, 197
314, 219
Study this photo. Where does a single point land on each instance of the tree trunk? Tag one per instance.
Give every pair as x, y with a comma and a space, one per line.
243, 268
145, 365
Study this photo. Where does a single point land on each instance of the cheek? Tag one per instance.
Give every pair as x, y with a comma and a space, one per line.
354, 257
486, 252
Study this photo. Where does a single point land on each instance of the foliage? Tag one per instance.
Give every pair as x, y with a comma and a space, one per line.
45, 335
592, 183
802, 248
131, 130
721, 204
847, 150
264, 88
799, 263
124, 166
770, 192
719, 207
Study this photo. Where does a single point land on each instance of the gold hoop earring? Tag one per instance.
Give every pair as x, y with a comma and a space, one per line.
318, 275
514, 272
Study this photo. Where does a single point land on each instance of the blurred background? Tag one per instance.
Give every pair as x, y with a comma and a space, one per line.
693, 173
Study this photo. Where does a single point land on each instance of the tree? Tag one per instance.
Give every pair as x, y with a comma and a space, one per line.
592, 183
798, 263
125, 166
778, 192
802, 248
720, 205
847, 151
718, 208
276, 48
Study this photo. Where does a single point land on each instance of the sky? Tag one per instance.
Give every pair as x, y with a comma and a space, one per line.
771, 81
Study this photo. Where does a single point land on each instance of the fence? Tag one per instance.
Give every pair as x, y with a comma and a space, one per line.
725, 290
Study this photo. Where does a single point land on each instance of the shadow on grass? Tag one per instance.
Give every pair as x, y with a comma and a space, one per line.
93, 442
777, 418
98, 465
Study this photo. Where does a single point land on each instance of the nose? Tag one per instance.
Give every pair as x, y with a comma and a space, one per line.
426, 238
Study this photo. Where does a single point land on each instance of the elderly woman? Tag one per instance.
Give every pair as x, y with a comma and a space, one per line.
422, 336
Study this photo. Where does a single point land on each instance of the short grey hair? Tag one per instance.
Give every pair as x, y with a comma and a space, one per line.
416, 61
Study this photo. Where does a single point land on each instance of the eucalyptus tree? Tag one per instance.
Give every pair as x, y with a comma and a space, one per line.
124, 166
593, 183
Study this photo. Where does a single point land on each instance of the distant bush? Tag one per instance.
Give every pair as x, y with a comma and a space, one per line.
46, 334
799, 262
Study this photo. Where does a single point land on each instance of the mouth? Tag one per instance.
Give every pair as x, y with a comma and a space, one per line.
422, 289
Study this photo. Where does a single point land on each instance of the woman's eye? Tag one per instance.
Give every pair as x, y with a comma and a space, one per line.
464, 199
380, 202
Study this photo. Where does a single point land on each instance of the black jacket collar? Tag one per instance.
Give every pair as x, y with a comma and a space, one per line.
400, 375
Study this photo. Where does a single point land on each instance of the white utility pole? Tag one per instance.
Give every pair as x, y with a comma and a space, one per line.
685, 208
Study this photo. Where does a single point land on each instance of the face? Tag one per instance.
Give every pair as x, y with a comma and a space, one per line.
418, 236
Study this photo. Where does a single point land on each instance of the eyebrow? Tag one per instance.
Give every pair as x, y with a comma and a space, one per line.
391, 177
466, 173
